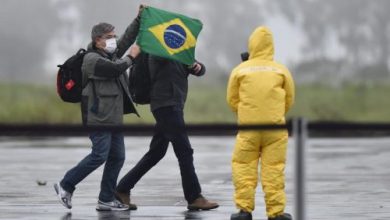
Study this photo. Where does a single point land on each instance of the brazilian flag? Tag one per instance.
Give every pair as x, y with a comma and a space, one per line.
168, 35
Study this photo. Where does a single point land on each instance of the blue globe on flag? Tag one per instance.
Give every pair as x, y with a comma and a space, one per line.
174, 36
168, 35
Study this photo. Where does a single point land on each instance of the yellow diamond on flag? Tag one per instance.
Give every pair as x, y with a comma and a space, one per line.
174, 36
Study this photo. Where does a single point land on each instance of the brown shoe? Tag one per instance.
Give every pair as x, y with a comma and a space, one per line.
202, 204
125, 199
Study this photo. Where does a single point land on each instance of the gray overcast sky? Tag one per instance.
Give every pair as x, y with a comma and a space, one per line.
43, 33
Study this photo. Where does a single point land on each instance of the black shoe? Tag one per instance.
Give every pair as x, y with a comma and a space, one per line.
242, 215
285, 216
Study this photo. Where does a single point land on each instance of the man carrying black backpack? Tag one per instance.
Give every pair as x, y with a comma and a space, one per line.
105, 98
167, 99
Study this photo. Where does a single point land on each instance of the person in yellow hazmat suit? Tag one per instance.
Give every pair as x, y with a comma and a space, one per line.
260, 91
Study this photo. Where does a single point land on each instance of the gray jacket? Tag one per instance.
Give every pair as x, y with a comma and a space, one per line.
106, 97
170, 82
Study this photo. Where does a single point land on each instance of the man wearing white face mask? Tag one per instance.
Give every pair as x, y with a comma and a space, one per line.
110, 45
105, 98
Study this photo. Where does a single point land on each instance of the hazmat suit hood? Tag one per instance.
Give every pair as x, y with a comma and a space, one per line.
261, 44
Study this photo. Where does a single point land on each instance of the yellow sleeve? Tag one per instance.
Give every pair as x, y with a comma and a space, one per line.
232, 96
289, 87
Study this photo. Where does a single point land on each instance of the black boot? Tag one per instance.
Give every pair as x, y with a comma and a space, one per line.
285, 216
242, 215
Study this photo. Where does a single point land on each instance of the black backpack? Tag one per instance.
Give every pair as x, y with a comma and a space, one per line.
140, 83
69, 78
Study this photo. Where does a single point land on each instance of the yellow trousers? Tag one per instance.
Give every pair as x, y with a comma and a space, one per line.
270, 148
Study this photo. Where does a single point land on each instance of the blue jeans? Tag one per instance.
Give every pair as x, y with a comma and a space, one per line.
170, 127
107, 147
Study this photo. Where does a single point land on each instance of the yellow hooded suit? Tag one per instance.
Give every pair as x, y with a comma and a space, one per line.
260, 91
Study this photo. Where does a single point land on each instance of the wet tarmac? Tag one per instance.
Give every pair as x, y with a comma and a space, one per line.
346, 179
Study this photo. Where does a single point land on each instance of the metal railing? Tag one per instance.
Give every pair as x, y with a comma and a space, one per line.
48, 130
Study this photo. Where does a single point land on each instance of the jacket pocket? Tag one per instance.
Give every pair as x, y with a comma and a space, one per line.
107, 108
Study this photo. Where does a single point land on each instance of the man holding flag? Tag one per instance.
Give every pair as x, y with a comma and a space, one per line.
170, 40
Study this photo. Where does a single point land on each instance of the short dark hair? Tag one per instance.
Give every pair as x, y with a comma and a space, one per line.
100, 29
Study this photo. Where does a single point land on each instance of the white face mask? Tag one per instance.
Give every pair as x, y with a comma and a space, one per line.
110, 45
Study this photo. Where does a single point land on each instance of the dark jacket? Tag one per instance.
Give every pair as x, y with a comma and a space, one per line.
170, 82
106, 97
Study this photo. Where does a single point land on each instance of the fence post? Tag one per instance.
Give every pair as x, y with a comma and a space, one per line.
300, 135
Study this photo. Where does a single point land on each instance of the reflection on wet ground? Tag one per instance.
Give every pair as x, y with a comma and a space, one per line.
346, 179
